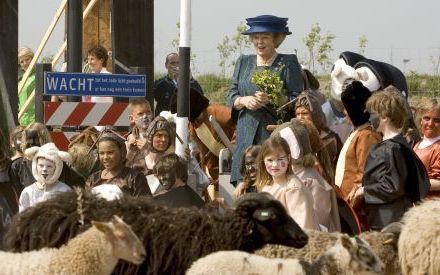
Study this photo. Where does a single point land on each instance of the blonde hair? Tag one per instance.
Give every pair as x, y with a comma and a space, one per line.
272, 145
138, 102
388, 104
278, 38
25, 51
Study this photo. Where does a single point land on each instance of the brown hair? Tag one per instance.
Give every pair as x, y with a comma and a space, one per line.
138, 102
100, 52
4, 148
251, 150
388, 104
321, 151
271, 145
172, 161
15, 137
37, 130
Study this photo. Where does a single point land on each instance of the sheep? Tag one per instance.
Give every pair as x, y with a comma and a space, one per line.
95, 251
384, 244
173, 237
347, 256
419, 240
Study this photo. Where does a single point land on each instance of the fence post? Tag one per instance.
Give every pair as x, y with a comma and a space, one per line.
39, 90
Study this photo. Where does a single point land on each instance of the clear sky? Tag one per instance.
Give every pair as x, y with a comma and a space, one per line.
395, 29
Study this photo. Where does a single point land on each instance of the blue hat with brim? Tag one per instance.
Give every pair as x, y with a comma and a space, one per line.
267, 23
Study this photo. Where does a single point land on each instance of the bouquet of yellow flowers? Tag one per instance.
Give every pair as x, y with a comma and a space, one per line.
269, 82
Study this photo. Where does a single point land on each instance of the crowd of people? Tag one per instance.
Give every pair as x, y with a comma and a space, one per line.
356, 147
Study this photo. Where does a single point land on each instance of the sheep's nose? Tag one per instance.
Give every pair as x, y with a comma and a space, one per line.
303, 239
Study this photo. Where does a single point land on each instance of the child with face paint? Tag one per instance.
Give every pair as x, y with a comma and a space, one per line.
112, 153
159, 136
394, 177
248, 170
172, 172
35, 134
275, 176
47, 164
303, 166
140, 117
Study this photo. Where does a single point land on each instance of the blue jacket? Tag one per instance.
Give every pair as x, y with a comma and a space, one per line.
251, 125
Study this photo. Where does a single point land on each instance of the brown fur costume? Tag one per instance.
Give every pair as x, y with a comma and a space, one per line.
173, 238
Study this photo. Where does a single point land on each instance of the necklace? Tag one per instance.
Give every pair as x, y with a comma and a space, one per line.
269, 62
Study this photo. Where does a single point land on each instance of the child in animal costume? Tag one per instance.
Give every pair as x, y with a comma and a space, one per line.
375, 76
47, 164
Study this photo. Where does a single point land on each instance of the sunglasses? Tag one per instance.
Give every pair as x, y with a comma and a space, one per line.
434, 119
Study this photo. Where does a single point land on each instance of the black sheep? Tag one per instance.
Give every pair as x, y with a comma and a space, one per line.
173, 238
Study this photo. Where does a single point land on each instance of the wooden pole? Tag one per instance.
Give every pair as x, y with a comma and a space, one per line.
64, 46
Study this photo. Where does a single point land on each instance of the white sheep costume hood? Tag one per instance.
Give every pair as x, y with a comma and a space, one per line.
48, 151
342, 72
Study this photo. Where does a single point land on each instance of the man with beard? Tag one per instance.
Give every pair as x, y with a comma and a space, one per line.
172, 172
140, 116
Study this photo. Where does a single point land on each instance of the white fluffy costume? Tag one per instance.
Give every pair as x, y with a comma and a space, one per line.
44, 188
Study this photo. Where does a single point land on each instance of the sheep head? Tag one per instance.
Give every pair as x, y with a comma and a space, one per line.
356, 255
125, 243
271, 220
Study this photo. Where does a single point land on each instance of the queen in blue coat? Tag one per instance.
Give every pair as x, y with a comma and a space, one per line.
266, 32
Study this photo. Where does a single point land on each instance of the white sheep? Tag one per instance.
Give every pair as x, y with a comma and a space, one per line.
384, 245
95, 251
419, 241
347, 256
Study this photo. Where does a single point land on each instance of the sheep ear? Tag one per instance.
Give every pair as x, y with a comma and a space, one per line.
117, 220
263, 215
64, 156
30, 152
346, 242
104, 227
394, 228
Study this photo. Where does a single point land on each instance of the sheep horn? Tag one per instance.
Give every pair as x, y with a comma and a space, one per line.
389, 241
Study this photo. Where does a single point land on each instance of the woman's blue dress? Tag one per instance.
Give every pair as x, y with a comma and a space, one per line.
251, 125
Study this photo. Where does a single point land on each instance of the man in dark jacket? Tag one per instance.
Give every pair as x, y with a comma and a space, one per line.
165, 87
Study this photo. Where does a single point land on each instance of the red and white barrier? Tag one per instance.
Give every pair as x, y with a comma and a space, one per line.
85, 114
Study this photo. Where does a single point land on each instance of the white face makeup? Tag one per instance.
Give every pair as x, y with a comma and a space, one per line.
45, 168
276, 164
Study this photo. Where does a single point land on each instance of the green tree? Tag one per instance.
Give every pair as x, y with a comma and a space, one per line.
241, 42
362, 44
324, 49
319, 48
225, 50
231, 48
311, 41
